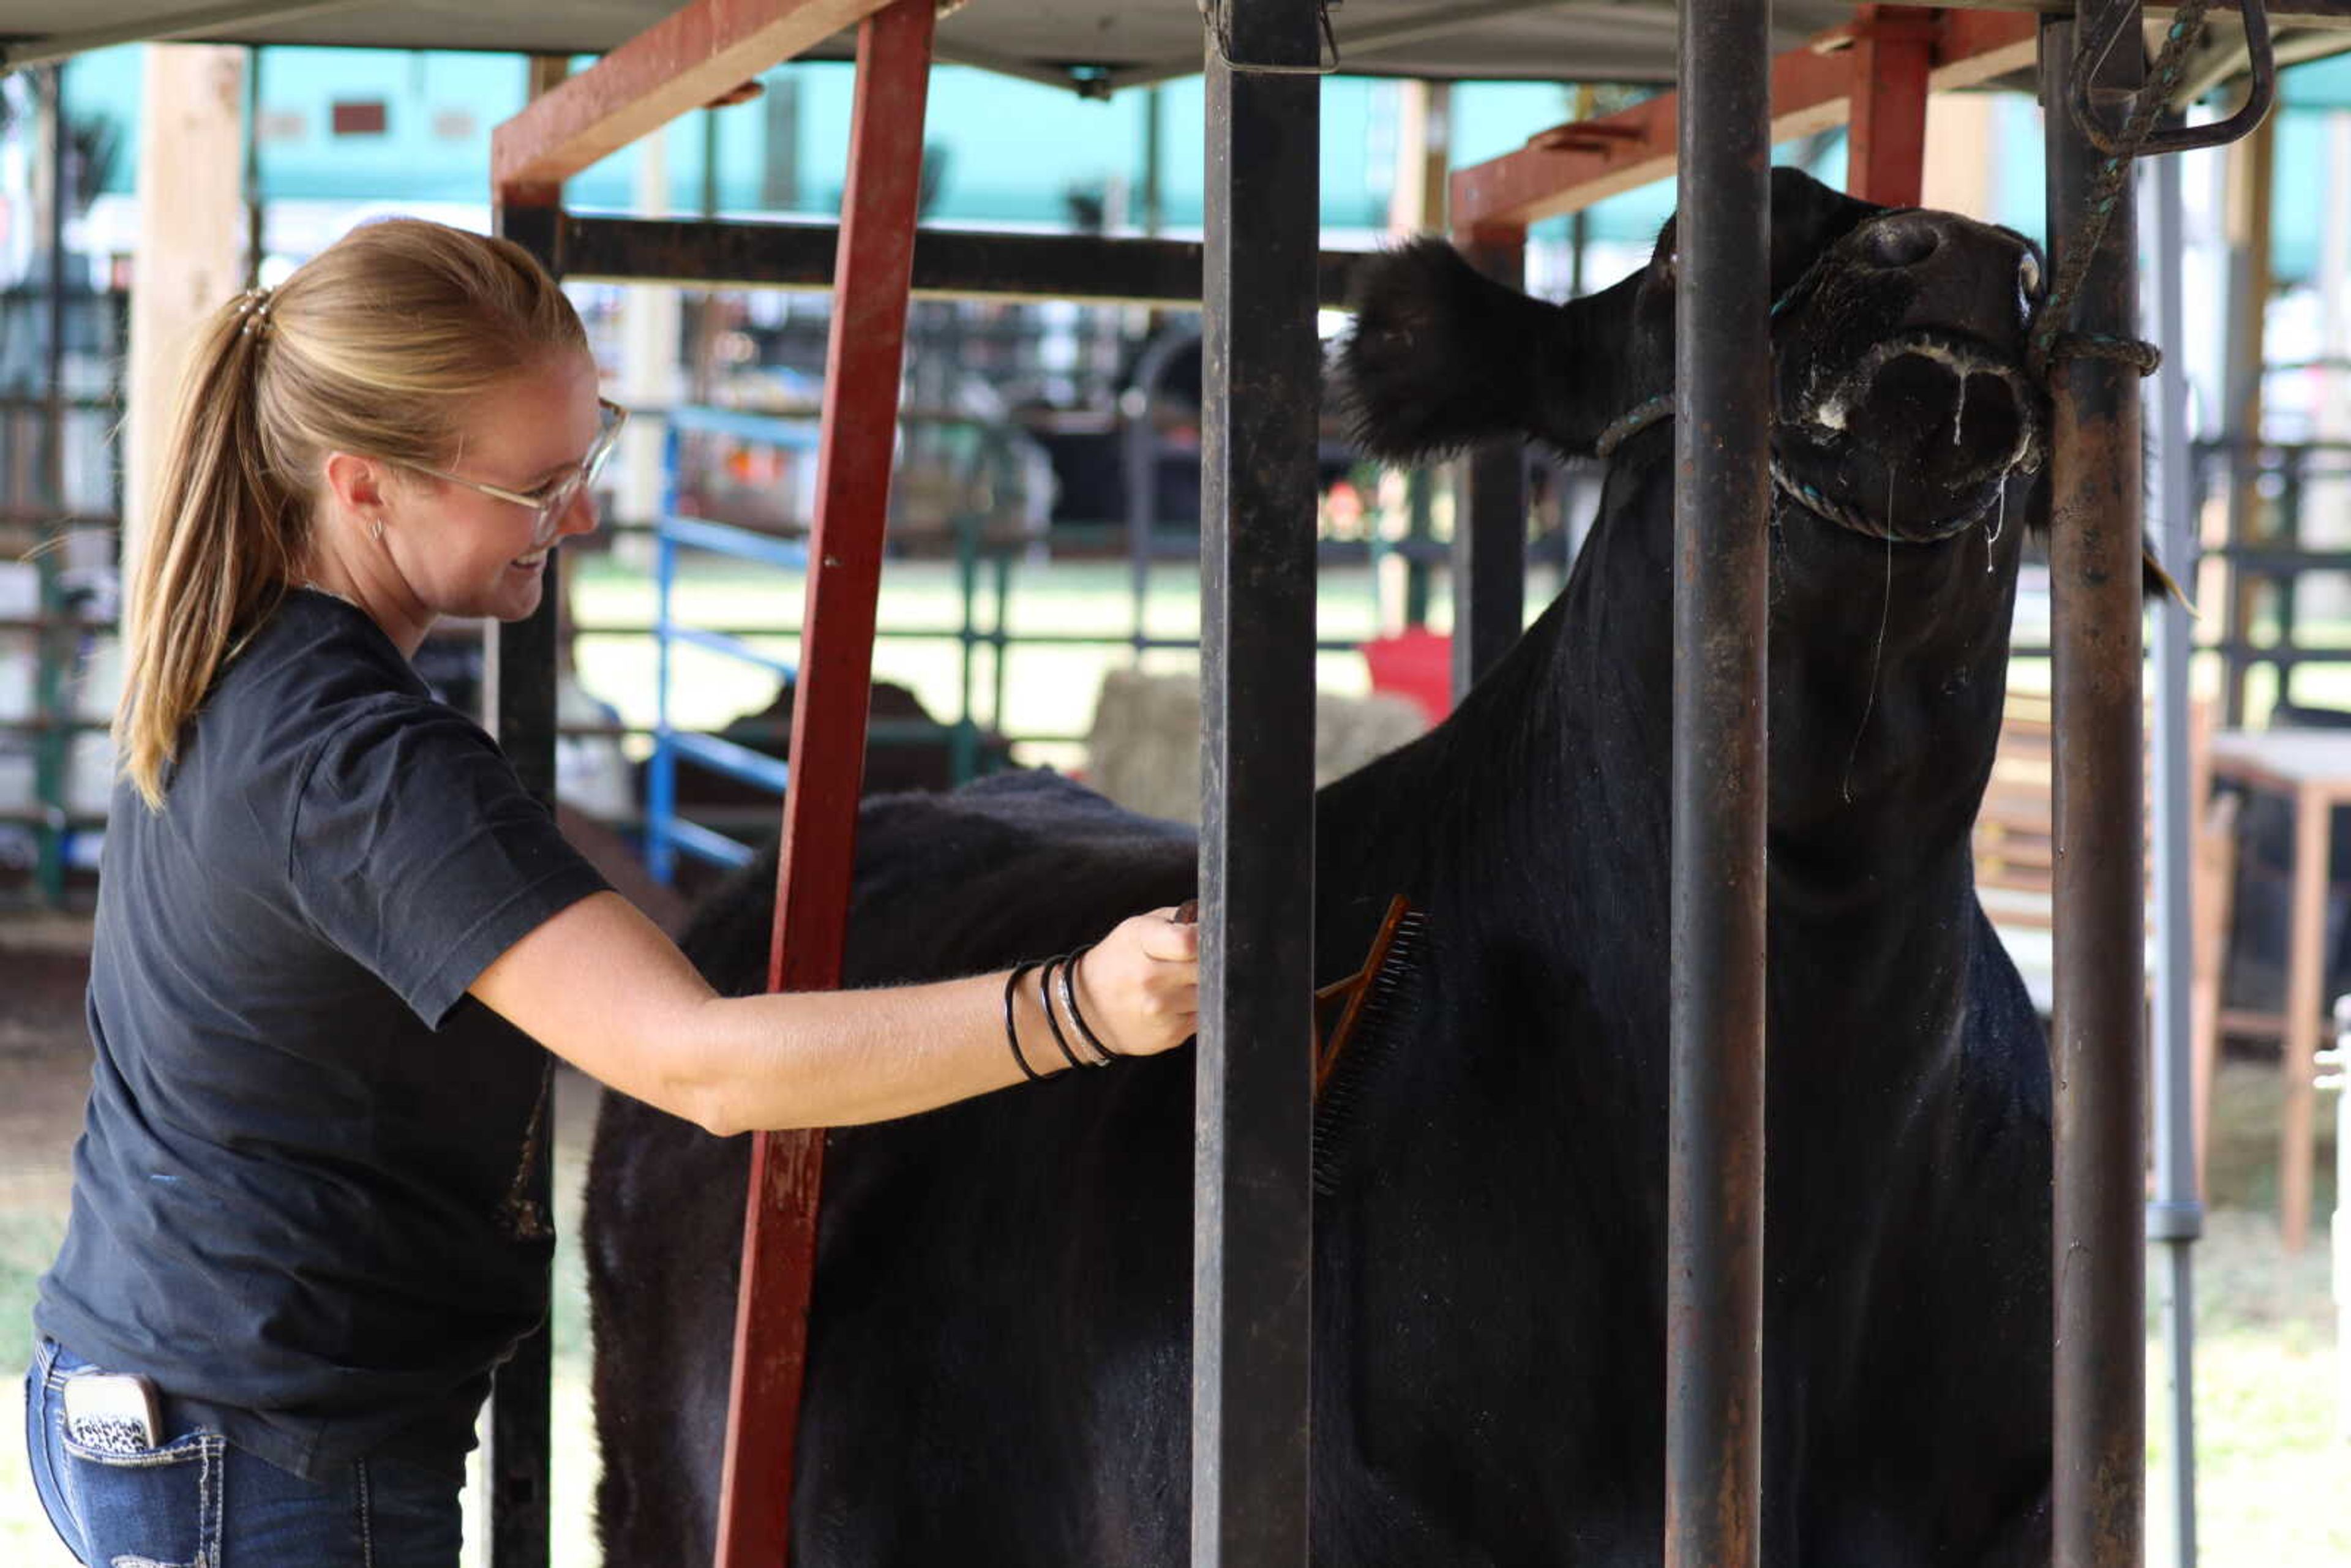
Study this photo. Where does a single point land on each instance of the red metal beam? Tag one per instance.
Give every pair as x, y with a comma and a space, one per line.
1892, 52
1574, 165
699, 53
862, 366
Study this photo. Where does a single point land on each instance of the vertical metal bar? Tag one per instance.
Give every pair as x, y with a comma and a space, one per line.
660, 772
2305, 1000
1000, 640
1252, 1199
256, 244
519, 704
1154, 162
1489, 533
863, 361
2175, 1217
52, 704
1714, 1307
2097, 1044
1140, 440
2339, 1078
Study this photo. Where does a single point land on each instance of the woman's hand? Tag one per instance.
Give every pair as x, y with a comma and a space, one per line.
1140, 986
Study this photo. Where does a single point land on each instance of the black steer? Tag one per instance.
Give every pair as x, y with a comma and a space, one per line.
1000, 1341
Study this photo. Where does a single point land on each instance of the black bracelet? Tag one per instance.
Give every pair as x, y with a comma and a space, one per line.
1011, 1035
1070, 1000
1045, 999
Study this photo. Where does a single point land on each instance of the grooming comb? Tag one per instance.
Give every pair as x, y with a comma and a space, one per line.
1339, 1007
1368, 1013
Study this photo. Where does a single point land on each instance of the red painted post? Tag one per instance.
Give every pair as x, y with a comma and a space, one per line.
860, 419
1893, 51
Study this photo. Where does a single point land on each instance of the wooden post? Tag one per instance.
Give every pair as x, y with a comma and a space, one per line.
190, 253
1892, 52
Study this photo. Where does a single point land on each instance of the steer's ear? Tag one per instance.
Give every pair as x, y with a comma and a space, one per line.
1442, 357
2156, 582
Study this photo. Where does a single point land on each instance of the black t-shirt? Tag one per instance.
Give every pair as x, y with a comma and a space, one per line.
299, 1198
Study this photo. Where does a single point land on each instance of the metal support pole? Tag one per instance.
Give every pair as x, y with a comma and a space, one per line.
53, 700
519, 704
1252, 1203
1490, 531
1722, 374
2335, 1066
2175, 1217
2097, 1041
815, 864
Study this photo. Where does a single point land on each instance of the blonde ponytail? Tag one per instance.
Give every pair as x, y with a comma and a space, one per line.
382, 344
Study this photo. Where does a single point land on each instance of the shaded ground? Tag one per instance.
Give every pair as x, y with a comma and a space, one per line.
2272, 1458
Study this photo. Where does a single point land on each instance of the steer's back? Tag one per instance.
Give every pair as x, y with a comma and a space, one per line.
1061, 1209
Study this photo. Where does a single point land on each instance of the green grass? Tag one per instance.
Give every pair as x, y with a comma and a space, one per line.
1048, 690
2270, 1463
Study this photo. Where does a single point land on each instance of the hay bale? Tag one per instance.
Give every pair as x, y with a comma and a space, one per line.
1144, 748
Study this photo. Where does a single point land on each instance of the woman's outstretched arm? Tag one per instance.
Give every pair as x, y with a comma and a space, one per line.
599, 985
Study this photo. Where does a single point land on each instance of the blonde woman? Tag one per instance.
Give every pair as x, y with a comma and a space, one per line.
332, 924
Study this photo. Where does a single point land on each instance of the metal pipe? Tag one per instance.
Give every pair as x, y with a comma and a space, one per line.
2336, 1074
52, 699
1252, 1201
1714, 1327
2175, 1217
2097, 1047
519, 702
1490, 531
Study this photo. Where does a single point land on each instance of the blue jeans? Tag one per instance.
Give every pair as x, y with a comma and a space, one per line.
196, 1501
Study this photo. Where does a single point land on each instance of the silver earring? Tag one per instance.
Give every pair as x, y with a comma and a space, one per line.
378, 527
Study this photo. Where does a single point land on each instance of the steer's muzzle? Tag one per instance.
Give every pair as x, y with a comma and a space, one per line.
1904, 403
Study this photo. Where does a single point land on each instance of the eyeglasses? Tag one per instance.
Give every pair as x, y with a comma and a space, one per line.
551, 500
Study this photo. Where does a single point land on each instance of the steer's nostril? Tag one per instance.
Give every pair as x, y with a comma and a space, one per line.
1902, 239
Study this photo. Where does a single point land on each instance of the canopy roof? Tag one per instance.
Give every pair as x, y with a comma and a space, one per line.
1131, 40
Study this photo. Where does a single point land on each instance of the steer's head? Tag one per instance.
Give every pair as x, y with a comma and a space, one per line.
1905, 429
1898, 336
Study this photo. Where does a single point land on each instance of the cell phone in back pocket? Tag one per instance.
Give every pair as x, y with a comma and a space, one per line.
113, 1412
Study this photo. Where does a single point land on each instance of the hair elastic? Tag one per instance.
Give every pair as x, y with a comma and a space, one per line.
253, 308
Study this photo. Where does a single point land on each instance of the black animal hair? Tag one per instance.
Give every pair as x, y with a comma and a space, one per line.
1442, 357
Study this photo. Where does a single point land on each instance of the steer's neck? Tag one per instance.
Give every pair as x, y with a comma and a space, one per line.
1888, 670
1886, 674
